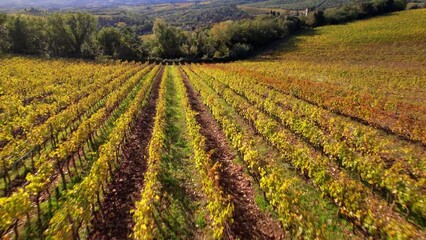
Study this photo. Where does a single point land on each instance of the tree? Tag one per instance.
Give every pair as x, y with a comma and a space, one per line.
199, 44
120, 42
2, 18
25, 34
168, 40
4, 43
400, 5
315, 19
18, 33
130, 44
71, 34
221, 36
109, 39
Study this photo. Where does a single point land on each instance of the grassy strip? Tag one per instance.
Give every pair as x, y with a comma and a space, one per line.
181, 210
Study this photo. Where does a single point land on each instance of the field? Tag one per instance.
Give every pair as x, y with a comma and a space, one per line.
321, 137
299, 4
260, 11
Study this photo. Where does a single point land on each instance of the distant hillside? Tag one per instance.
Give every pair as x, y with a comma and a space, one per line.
76, 3
61, 4
300, 4
267, 4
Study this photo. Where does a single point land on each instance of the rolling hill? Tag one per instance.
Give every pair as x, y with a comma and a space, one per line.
77, 3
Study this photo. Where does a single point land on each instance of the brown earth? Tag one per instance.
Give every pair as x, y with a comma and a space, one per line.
124, 190
249, 221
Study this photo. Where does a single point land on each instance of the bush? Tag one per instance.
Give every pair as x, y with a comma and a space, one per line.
240, 50
361, 10
342, 14
315, 19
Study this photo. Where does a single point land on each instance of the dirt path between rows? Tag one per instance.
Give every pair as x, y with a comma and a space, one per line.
127, 183
249, 221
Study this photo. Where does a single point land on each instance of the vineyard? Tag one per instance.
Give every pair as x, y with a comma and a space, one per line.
322, 137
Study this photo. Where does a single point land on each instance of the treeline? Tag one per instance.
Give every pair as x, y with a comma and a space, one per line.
141, 24
66, 35
79, 35
353, 11
224, 41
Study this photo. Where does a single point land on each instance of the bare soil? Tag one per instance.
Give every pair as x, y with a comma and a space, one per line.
249, 221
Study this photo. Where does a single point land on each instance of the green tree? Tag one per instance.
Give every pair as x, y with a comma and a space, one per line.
167, 39
199, 44
130, 44
221, 36
315, 19
26, 35
72, 34
109, 39
122, 42
2, 18
18, 34
4, 43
